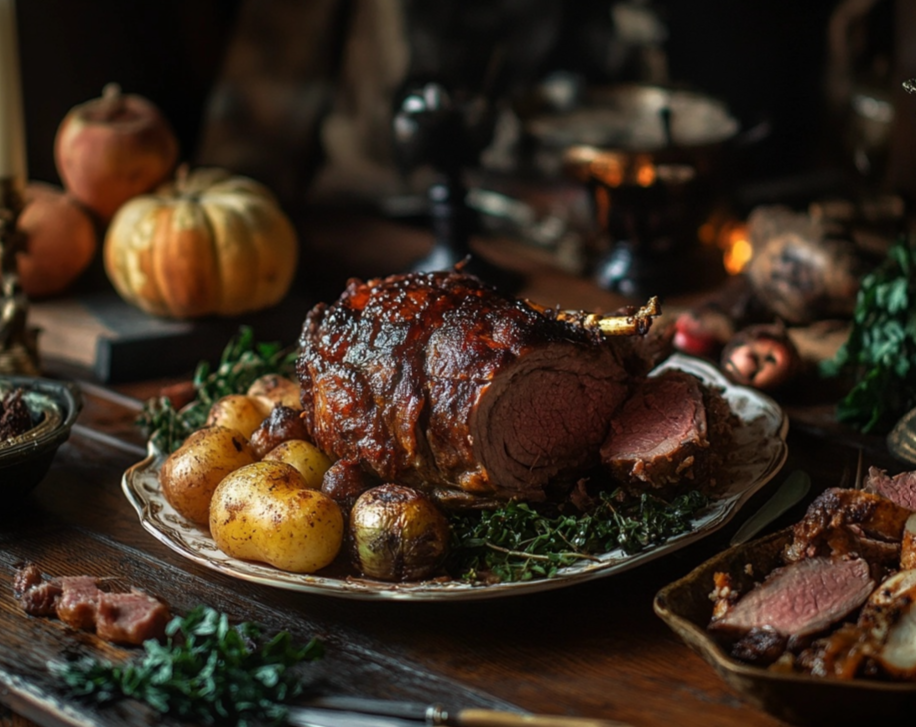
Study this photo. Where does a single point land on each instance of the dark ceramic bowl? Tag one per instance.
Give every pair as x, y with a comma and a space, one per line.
799, 699
26, 459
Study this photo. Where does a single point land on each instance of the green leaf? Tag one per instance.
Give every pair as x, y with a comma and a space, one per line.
877, 357
241, 363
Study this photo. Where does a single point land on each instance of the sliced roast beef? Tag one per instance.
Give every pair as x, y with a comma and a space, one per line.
41, 599
438, 381
26, 576
800, 599
900, 489
131, 618
670, 430
122, 618
78, 602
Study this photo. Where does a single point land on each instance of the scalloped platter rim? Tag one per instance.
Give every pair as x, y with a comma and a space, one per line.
759, 453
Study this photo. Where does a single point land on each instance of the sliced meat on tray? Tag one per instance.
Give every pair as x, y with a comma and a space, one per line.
850, 522
800, 599
900, 488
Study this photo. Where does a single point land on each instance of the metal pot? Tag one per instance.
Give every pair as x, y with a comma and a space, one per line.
651, 157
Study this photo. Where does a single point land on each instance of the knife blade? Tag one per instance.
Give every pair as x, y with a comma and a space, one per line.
337, 711
318, 717
791, 491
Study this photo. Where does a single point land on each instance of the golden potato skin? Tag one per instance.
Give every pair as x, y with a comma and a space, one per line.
191, 473
237, 411
273, 389
264, 512
397, 533
311, 462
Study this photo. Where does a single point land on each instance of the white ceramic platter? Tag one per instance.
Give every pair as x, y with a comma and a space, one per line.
759, 453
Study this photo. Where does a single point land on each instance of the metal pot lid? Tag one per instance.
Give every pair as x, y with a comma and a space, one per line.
638, 118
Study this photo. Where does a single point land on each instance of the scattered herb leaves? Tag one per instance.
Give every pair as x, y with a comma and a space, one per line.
206, 670
242, 362
880, 353
516, 542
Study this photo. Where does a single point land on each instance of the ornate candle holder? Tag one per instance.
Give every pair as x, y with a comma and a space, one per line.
18, 341
432, 128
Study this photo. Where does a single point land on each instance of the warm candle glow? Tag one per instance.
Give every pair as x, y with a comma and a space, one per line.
738, 254
12, 122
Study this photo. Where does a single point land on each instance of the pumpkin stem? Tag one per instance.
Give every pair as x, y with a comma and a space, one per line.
111, 91
181, 176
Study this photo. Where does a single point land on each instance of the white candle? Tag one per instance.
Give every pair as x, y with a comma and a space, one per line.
12, 121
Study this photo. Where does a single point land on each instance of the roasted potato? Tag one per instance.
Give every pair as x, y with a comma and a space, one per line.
265, 512
397, 533
238, 411
191, 473
311, 462
273, 389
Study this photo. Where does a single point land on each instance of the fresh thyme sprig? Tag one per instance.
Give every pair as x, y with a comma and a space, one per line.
516, 542
242, 362
207, 670
880, 352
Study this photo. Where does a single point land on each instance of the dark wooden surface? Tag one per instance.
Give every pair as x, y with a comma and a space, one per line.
594, 649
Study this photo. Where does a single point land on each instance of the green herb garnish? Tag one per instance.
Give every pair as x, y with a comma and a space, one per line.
880, 352
518, 543
207, 670
242, 362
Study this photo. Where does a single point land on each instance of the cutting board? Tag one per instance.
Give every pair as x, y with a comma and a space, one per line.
115, 342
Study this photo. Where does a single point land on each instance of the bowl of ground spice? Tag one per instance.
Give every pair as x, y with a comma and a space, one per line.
36, 416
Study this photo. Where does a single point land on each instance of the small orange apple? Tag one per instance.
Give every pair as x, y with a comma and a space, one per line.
110, 149
60, 240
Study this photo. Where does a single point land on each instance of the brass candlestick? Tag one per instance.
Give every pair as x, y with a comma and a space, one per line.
18, 341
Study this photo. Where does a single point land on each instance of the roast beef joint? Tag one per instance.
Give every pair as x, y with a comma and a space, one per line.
437, 381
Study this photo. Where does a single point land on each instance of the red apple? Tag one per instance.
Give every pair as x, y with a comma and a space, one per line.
702, 332
112, 148
60, 240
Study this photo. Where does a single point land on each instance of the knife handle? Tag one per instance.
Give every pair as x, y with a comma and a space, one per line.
494, 718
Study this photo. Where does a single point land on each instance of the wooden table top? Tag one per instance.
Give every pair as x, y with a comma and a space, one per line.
592, 650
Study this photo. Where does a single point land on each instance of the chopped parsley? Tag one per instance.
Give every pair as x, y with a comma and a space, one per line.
206, 670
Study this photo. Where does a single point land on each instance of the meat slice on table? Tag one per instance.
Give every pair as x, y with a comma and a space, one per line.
25, 577
672, 429
41, 599
800, 599
436, 380
123, 618
78, 602
131, 618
